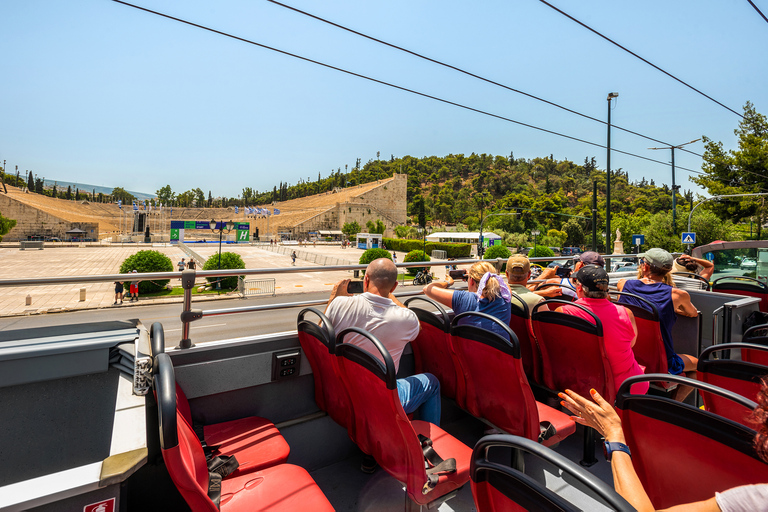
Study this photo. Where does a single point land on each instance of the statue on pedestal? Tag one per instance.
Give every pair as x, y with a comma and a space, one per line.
618, 245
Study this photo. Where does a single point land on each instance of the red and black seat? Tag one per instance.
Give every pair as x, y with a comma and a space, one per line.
572, 350
498, 487
756, 335
649, 347
742, 285
278, 488
318, 343
433, 352
384, 431
497, 388
683, 454
520, 323
740, 377
253, 440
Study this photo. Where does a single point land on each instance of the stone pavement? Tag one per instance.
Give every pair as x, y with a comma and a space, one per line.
99, 260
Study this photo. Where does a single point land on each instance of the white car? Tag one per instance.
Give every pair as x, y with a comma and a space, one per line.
749, 263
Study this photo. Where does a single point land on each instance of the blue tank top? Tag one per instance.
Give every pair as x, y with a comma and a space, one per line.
660, 295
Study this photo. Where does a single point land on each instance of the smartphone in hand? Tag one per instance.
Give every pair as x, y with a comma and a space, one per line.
458, 274
354, 287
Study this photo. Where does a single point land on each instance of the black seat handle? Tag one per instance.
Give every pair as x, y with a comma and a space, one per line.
653, 309
624, 391
388, 368
727, 346
437, 305
327, 327
598, 324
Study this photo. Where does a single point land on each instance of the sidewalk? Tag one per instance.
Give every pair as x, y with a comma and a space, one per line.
78, 261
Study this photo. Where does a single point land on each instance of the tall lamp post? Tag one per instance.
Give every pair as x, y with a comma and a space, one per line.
608, 177
675, 187
220, 226
535, 233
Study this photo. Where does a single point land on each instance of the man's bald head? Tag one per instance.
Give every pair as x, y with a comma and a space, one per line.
382, 274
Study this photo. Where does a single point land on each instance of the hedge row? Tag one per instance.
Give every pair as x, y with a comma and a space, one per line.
452, 250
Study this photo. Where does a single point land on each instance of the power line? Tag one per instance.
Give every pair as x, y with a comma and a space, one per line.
637, 56
758, 10
468, 73
394, 86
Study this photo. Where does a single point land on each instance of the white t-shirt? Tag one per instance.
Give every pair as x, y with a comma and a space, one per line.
688, 283
747, 498
393, 325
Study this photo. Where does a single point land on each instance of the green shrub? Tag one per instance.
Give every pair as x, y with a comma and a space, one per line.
373, 254
228, 260
148, 261
452, 250
540, 251
417, 255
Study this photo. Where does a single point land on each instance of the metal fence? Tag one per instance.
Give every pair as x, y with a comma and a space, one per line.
253, 287
311, 257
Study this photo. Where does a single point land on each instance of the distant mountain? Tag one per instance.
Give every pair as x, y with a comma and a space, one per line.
83, 186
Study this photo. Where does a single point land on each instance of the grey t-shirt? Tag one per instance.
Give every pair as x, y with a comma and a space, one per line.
688, 283
747, 498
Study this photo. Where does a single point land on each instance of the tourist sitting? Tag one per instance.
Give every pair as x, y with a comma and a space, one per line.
685, 263
619, 328
381, 314
488, 293
654, 284
518, 274
601, 416
567, 287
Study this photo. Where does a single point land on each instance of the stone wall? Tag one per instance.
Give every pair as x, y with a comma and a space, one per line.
31, 221
389, 199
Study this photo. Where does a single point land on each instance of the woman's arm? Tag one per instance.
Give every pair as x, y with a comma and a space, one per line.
682, 302
438, 290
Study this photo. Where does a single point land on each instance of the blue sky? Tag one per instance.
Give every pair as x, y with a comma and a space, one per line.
97, 92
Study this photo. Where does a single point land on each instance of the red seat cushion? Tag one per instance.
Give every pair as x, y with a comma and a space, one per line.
279, 488
254, 441
447, 447
564, 425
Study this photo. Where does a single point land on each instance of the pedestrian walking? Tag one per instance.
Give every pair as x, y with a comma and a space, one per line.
134, 289
394, 257
293, 258
182, 264
191, 265
118, 292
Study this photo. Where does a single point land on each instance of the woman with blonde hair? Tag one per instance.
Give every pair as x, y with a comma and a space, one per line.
487, 293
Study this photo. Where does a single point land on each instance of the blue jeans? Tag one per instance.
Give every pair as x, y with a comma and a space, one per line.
421, 392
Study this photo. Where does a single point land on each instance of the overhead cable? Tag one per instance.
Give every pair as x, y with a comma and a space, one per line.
394, 86
468, 73
758, 10
637, 56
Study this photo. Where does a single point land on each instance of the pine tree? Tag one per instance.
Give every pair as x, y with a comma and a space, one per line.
30, 183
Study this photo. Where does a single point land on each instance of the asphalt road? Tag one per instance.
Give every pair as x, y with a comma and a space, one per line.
206, 329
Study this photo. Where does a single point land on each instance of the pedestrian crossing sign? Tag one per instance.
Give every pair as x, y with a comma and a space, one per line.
689, 238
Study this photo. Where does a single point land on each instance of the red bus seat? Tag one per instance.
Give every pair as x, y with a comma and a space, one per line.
520, 323
384, 431
254, 441
499, 487
572, 350
278, 488
497, 388
742, 378
433, 352
649, 347
683, 454
743, 285
757, 336
318, 343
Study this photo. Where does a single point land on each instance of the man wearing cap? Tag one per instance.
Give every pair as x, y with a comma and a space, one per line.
518, 274
585, 258
691, 265
619, 328
655, 285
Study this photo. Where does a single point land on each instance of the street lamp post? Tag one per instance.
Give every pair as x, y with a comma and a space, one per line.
535, 233
219, 226
608, 176
675, 187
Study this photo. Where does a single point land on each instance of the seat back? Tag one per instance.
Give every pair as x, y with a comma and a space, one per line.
683, 454
742, 378
520, 323
433, 352
501, 487
702, 282
318, 343
743, 286
182, 452
649, 347
497, 389
572, 350
382, 428
755, 335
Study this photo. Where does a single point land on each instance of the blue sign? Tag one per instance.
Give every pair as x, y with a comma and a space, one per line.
689, 238
638, 239
710, 256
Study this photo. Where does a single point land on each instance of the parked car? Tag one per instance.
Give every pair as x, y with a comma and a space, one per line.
748, 263
570, 251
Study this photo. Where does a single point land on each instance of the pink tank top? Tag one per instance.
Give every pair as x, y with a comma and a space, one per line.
618, 336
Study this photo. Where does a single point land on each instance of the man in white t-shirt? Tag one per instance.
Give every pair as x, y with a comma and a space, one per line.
380, 313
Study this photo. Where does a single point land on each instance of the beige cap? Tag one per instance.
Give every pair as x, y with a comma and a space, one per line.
518, 264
